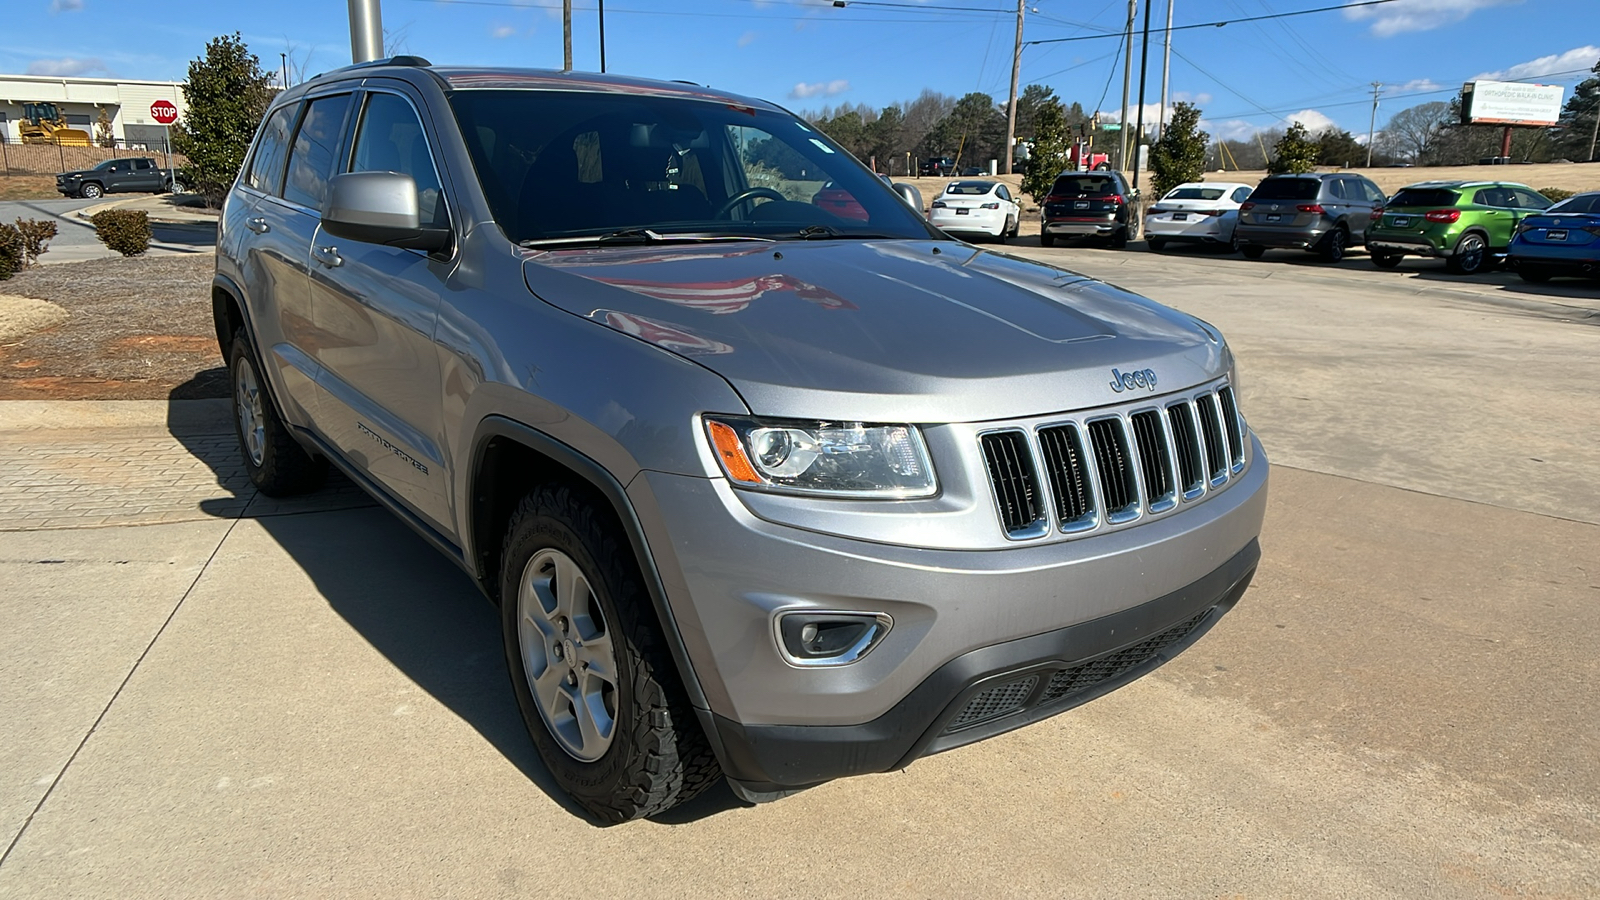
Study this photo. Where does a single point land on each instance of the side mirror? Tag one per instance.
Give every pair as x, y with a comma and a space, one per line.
910, 195
379, 208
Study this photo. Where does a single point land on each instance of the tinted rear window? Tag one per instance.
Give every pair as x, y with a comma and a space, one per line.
1424, 197
1194, 194
1093, 185
1583, 203
1287, 189
969, 187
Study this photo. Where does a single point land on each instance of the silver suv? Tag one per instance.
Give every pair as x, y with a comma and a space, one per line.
1324, 214
770, 479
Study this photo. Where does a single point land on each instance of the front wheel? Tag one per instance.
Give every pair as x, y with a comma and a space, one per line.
1386, 260
597, 687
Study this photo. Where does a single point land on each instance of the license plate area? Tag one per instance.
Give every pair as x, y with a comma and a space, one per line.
1556, 234
1274, 217
963, 212
1180, 217
1080, 204
1400, 221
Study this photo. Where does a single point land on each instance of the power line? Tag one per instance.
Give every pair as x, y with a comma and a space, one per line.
1222, 22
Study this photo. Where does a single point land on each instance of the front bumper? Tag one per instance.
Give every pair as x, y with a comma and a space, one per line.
962, 620
1280, 238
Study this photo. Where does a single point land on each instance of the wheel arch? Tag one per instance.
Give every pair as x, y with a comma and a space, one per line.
227, 312
508, 460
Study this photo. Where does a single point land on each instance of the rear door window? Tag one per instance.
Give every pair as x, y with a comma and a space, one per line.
1287, 189
266, 167
315, 146
1527, 199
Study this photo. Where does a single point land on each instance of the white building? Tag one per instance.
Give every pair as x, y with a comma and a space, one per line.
81, 99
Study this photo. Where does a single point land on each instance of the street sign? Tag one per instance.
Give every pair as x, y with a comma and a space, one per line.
1110, 126
164, 111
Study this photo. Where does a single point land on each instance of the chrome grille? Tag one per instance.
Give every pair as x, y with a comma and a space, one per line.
1114, 468
1016, 491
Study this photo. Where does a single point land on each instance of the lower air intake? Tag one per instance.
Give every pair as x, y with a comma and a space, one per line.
996, 701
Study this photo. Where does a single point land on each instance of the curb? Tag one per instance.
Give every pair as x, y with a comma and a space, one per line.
193, 416
88, 212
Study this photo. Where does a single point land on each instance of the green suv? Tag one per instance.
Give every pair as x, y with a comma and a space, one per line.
1468, 223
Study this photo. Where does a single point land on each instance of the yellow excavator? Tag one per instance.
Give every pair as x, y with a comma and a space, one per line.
42, 124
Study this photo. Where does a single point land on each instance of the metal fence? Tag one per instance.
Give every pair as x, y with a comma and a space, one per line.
48, 159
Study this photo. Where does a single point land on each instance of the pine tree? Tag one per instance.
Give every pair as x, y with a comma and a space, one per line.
1295, 153
226, 95
1180, 155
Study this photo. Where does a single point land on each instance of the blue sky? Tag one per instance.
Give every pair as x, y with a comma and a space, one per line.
806, 53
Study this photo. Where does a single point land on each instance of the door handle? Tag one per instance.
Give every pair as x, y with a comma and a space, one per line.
258, 225
328, 256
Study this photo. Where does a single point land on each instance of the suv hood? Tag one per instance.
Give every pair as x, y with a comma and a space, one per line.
908, 331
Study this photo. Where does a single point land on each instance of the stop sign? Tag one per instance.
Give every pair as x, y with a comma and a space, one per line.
164, 112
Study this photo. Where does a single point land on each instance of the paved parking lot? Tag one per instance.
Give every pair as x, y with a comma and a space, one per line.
255, 699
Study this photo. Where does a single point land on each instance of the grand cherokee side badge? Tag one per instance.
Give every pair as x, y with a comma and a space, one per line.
1127, 381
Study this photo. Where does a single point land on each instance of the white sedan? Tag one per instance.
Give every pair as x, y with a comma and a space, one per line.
1199, 212
977, 207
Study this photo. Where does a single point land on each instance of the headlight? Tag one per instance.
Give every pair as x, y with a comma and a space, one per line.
841, 459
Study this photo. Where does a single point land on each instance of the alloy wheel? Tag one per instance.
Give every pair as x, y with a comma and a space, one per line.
247, 406
567, 654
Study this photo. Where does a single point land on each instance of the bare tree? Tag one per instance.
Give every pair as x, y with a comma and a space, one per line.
1414, 133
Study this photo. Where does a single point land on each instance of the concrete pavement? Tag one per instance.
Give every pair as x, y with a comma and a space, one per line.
75, 239
1406, 704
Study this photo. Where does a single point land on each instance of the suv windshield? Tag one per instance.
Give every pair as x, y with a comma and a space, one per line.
1092, 185
1424, 197
559, 165
1287, 189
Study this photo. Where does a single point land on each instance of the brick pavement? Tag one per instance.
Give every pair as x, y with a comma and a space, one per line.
137, 474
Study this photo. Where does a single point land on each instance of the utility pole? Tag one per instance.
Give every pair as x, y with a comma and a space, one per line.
283, 59
1595, 131
1166, 67
1011, 108
366, 30
1127, 76
1372, 123
1138, 129
566, 35
602, 37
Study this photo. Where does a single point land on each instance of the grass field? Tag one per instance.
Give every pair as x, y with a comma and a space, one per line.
28, 187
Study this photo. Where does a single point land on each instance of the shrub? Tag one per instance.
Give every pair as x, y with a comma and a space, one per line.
1295, 153
126, 231
10, 251
36, 235
1556, 195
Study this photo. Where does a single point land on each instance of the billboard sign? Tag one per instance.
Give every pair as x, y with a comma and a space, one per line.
1510, 103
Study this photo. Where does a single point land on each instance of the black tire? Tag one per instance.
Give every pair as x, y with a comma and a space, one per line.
1005, 232
1333, 245
1046, 239
90, 191
1386, 260
283, 467
1253, 251
1119, 239
1233, 242
1471, 255
657, 756
1533, 274
1156, 245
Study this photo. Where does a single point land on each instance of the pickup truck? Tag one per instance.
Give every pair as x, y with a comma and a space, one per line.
113, 176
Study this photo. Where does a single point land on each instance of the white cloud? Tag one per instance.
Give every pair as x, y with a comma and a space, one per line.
1581, 58
1414, 86
1390, 19
1200, 99
61, 6
1311, 119
67, 66
1242, 129
747, 38
502, 31
832, 88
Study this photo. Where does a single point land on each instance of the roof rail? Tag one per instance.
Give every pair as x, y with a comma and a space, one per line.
412, 61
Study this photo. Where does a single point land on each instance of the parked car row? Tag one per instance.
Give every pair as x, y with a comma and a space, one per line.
1470, 225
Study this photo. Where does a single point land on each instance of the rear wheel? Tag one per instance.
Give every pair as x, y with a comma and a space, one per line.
1471, 254
91, 191
1156, 245
1046, 239
1386, 260
1119, 239
1533, 274
1253, 251
594, 680
276, 463
1005, 232
1332, 248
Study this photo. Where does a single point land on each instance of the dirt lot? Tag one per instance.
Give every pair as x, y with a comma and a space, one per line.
28, 187
137, 329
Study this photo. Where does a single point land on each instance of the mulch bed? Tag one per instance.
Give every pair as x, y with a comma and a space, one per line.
140, 329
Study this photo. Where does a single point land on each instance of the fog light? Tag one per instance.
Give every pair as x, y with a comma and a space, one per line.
825, 638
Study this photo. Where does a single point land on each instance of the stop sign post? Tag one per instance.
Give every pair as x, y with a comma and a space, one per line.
165, 112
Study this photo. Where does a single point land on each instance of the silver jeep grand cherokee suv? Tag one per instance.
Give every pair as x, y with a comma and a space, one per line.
764, 489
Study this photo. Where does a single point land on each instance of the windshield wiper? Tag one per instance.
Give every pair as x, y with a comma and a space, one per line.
639, 236
828, 233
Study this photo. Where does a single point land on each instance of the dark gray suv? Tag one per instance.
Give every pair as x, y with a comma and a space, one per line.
767, 484
1323, 213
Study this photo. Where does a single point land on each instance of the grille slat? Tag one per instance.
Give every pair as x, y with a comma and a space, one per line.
1188, 447
1010, 466
1113, 464
1230, 424
1068, 471
1211, 427
1155, 460
994, 702
1082, 677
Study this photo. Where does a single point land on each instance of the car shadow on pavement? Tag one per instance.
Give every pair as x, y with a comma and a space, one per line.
402, 597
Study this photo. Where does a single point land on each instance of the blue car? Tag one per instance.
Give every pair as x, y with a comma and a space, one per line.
1562, 240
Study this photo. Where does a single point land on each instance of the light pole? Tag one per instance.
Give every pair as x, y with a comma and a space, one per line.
366, 30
